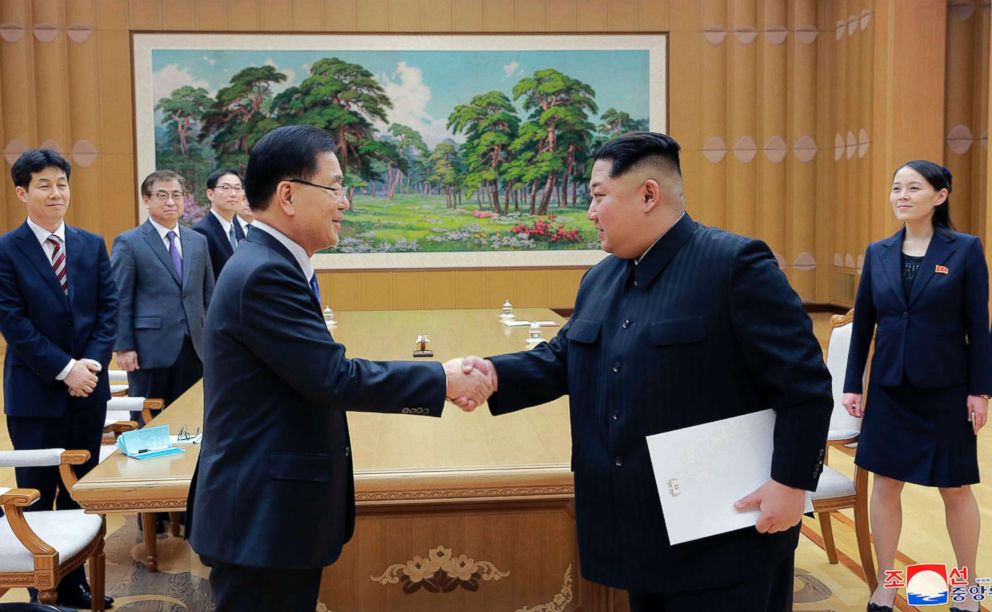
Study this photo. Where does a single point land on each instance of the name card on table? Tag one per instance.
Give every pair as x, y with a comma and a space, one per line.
147, 443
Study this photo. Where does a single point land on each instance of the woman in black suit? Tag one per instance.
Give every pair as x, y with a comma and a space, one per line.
927, 290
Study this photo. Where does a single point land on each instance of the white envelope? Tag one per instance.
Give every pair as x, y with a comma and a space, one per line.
702, 470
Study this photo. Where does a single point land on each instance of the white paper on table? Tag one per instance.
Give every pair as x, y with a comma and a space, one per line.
702, 470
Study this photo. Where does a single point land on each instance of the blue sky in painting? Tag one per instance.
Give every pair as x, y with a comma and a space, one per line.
425, 85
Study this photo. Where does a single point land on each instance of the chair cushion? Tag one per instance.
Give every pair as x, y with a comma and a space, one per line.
31, 458
117, 377
833, 484
106, 450
118, 388
116, 416
833, 434
67, 531
126, 403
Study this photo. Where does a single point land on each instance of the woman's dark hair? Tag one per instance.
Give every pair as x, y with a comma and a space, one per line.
939, 178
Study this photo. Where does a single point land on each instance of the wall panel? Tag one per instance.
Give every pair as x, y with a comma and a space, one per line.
791, 114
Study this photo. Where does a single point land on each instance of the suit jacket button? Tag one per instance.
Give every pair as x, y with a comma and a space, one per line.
618, 461
626, 324
616, 415
905, 315
347, 451
616, 367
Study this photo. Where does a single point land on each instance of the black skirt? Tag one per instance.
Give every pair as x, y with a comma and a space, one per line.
922, 436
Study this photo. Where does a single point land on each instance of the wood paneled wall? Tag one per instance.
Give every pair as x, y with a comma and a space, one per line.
790, 112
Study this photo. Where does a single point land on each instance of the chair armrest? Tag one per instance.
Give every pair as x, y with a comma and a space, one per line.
119, 427
151, 404
69, 459
14, 502
20, 498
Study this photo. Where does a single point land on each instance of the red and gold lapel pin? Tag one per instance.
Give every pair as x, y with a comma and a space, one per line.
941, 270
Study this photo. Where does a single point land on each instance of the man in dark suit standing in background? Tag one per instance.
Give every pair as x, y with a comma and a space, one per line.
58, 314
164, 281
276, 387
682, 325
223, 232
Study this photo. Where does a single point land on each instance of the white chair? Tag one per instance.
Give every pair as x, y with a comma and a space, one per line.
836, 491
38, 548
118, 382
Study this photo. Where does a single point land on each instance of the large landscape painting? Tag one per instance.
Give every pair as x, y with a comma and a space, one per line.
457, 151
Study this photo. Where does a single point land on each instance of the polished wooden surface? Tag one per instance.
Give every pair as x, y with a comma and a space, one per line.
471, 451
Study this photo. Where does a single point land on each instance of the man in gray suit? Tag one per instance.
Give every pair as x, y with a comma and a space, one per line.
164, 279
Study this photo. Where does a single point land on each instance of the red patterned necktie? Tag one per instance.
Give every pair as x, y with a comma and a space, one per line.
58, 262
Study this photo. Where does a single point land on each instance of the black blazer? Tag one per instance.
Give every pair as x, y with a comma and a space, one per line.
274, 484
706, 327
45, 328
218, 242
937, 338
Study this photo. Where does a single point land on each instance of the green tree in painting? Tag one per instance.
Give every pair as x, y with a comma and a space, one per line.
443, 164
615, 122
557, 103
490, 123
239, 114
184, 107
412, 148
343, 99
180, 150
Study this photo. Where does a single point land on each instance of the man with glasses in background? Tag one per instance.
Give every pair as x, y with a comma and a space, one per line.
223, 232
164, 281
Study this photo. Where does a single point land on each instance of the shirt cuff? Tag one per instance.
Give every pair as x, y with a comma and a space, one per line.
65, 371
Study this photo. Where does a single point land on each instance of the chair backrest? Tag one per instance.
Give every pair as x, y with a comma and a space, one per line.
837, 349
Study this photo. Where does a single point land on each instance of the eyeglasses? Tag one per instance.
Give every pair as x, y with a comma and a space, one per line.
230, 188
337, 192
165, 196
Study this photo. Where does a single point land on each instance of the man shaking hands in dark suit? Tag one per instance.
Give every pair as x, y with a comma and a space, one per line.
682, 325
273, 500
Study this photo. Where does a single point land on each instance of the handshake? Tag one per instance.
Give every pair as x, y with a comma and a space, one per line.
471, 380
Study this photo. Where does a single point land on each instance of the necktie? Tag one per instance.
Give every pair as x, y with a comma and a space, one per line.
315, 287
58, 262
177, 259
234, 239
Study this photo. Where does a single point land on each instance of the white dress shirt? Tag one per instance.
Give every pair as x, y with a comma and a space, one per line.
163, 233
42, 235
223, 223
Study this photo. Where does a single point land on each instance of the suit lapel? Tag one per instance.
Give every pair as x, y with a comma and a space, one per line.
891, 256
938, 252
28, 244
188, 254
155, 243
225, 240
73, 253
268, 240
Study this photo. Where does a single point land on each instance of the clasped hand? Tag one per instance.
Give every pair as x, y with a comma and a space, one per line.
82, 378
471, 381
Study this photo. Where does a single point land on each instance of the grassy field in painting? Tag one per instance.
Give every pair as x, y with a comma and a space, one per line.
414, 223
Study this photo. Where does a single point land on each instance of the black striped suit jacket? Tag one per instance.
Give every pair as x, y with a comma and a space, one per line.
706, 327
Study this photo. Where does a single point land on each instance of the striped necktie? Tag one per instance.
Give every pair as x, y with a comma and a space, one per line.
58, 262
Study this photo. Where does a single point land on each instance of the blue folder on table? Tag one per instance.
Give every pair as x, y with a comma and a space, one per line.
147, 443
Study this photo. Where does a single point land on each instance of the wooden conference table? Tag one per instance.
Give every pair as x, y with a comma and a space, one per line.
465, 512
